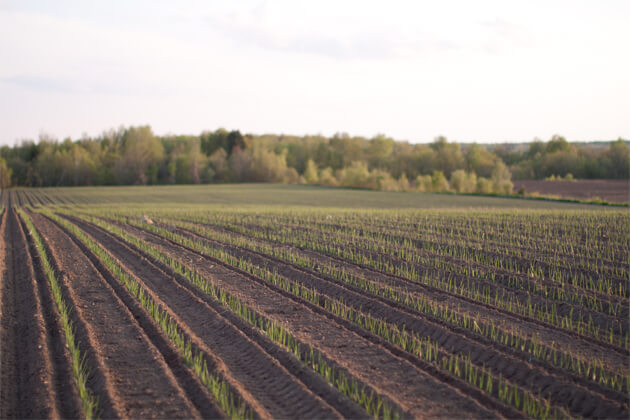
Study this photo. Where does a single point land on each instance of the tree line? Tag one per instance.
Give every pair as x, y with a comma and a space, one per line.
136, 156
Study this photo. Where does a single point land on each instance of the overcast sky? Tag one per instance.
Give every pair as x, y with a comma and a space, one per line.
486, 71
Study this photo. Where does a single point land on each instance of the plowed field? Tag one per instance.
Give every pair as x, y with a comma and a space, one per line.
267, 311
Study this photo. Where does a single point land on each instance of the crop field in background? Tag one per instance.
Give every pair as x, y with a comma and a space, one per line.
267, 301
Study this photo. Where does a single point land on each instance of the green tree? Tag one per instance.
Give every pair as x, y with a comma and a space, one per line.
480, 161
5, 174
619, 157
448, 156
463, 182
379, 151
557, 143
141, 155
501, 179
310, 173
439, 182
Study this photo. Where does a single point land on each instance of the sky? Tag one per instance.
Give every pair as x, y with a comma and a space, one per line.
484, 71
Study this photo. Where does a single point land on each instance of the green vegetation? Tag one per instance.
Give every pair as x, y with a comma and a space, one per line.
135, 156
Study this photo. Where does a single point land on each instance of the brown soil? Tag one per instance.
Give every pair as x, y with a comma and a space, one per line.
521, 257
259, 370
501, 277
394, 377
35, 372
131, 377
613, 190
454, 339
526, 327
501, 281
548, 381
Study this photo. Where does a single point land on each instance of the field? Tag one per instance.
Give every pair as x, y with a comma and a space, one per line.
611, 190
264, 301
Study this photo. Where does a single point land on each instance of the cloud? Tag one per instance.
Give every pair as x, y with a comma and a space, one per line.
88, 86
503, 35
41, 83
341, 40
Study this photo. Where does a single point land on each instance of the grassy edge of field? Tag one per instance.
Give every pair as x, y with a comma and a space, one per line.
80, 370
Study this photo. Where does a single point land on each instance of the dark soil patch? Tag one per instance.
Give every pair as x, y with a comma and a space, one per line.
36, 378
612, 190
131, 377
483, 353
392, 376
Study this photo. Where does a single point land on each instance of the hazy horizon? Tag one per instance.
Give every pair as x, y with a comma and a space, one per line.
486, 72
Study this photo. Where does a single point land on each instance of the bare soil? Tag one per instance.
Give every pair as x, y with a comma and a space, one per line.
527, 327
553, 383
254, 367
132, 378
395, 377
35, 372
137, 372
612, 190
549, 382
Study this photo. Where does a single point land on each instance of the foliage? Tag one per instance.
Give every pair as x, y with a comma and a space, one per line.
135, 156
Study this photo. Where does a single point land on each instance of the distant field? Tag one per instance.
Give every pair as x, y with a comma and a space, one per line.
273, 301
270, 195
612, 190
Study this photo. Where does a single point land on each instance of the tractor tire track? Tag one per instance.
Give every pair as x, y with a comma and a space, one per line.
131, 378
257, 292
483, 352
256, 367
36, 375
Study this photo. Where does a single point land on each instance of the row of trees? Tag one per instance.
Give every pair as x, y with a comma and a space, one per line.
557, 157
134, 155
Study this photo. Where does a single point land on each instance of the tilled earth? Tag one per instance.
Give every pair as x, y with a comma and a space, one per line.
137, 372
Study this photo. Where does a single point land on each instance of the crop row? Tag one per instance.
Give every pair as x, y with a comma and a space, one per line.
456, 364
460, 279
230, 404
588, 369
80, 369
373, 403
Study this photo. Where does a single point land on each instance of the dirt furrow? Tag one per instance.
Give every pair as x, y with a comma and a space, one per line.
131, 378
513, 366
354, 349
563, 308
567, 341
36, 377
528, 327
501, 279
521, 272
261, 371
501, 282
420, 237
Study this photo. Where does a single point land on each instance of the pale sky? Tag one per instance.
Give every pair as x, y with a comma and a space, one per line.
485, 71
